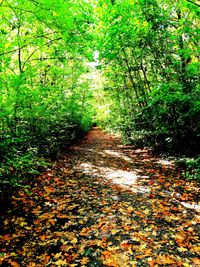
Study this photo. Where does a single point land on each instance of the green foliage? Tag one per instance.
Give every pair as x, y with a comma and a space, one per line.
193, 169
146, 81
45, 97
20, 166
149, 52
190, 167
172, 115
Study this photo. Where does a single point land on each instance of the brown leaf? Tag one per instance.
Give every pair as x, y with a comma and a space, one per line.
126, 245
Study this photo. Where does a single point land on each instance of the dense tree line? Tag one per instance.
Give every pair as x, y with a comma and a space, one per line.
150, 56
45, 99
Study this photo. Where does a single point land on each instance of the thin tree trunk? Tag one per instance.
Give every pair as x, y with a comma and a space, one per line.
131, 77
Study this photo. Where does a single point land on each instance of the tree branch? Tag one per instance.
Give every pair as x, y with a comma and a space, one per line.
46, 58
28, 11
47, 43
193, 3
14, 50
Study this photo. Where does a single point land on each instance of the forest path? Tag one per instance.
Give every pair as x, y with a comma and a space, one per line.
104, 204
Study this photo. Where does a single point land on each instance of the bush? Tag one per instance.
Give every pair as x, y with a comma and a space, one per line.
191, 168
28, 151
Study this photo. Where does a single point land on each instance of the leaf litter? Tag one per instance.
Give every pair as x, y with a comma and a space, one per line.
104, 204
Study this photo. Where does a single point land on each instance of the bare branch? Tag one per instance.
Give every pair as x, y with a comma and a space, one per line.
11, 69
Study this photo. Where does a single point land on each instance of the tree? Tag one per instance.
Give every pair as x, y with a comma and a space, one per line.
153, 46
45, 101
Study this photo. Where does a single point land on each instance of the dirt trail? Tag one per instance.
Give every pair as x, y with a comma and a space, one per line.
104, 204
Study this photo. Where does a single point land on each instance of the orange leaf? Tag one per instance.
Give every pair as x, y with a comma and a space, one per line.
85, 231
127, 227
151, 182
84, 260
196, 261
43, 237
151, 262
195, 249
6, 237
151, 171
164, 259
14, 263
107, 254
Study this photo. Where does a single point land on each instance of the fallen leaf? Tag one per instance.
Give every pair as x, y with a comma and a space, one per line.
84, 260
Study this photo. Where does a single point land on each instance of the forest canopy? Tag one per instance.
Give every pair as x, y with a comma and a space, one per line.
131, 66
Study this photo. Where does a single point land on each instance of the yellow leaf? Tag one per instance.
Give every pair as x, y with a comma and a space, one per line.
7, 45
185, 264
23, 223
147, 252
61, 263
195, 249
58, 255
127, 227
181, 249
133, 263
13, 254
31, 264
74, 240
114, 231
114, 248
84, 260
146, 211
164, 259
130, 209
6, 222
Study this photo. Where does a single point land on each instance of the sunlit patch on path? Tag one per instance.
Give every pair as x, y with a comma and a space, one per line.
104, 204
127, 179
118, 155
